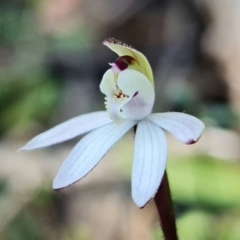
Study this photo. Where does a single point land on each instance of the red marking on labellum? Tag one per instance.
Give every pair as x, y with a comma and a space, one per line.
135, 94
123, 62
121, 65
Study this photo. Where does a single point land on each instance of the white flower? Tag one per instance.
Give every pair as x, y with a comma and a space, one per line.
129, 89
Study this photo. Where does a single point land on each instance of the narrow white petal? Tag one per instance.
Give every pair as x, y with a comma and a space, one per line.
140, 92
88, 152
68, 130
185, 128
150, 154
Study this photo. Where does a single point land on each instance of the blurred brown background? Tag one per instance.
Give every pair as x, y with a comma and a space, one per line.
51, 64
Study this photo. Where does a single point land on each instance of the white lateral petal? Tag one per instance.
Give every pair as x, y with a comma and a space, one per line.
68, 130
150, 154
140, 92
88, 152
185, 128
108, 85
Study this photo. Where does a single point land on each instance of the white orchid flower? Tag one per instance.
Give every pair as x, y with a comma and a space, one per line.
129, 89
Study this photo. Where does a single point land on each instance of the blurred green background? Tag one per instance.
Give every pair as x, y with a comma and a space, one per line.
51, 64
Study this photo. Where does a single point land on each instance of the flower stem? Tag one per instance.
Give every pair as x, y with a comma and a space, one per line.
165, 210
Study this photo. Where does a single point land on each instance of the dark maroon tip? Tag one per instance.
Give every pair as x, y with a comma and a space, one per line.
191, 142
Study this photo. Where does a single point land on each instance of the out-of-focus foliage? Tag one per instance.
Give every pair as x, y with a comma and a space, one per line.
26, 101
46, 226
30, 89
205, 181
27, 92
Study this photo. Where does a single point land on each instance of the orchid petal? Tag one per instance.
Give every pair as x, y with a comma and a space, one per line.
108, 85
114, 109
142, 65
68, 130
88, 152
150, 154
140, 92
109, 88
185, 128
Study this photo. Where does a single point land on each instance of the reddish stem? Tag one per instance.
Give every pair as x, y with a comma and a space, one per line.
165, 210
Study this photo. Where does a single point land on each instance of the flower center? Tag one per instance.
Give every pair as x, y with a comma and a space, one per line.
118, 96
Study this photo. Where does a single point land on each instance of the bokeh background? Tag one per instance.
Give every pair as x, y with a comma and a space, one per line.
51, 64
